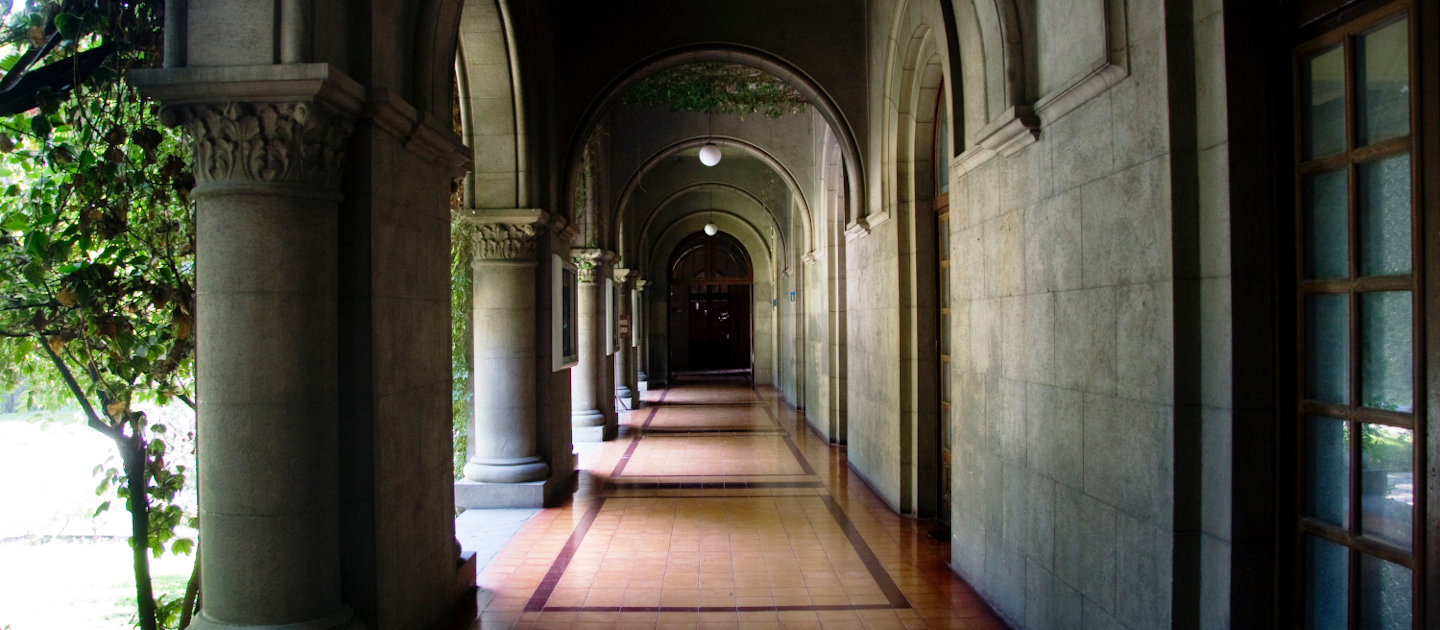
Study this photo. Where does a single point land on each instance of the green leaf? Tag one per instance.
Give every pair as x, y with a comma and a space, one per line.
182, 546
16, 222
34, 273
68, 25
40, 124
37, 244
105, 506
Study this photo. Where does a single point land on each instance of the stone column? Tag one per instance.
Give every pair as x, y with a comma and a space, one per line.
638, 326
267, 205
587, 390
623, 358
503, 433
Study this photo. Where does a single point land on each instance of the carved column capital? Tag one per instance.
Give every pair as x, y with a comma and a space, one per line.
621, 275
505, 241
588, 260
294, 142
640, 284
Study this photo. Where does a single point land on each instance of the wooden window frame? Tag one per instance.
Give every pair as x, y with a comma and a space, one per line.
1341, 28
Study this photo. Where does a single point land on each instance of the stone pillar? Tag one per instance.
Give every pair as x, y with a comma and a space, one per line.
589, 394
624, 363
638, 326
504, 468
267, 205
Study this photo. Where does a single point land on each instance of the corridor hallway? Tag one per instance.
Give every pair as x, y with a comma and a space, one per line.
717, 508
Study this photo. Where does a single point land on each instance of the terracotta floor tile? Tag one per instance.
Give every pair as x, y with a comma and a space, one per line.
711, 511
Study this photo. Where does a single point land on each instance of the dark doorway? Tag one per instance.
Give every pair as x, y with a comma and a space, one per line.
710, 301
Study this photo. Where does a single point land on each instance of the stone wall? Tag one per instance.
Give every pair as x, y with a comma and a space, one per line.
1063, 278
397, 499
872, 308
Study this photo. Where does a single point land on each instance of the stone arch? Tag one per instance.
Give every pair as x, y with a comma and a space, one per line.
436, 40
915, 74
487, 66
764, 271
807, 239
992, 91
755, 58
648, 224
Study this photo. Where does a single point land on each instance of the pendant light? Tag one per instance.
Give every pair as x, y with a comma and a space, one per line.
710, 227
710, 153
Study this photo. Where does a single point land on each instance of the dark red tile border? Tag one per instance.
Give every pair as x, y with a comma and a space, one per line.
683, 431
872, 563
562, 561
625, 459
714, 485
704, 609
790, 442
887, 586
795, 450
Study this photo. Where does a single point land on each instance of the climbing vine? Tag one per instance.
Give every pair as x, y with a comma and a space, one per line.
722, 88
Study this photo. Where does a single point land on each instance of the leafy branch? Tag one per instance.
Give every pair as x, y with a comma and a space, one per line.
724, 88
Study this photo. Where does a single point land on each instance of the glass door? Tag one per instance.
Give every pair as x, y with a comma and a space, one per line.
1360, 388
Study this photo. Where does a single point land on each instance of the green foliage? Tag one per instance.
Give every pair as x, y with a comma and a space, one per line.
724, 88
462, 291
97, 251
1387, 448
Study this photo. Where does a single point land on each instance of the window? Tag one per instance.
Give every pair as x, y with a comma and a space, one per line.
1360, 327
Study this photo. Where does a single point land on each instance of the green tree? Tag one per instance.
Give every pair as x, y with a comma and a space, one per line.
97, 249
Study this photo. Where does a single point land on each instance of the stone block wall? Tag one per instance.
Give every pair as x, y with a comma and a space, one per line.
397, 515
1064, 360
872, 330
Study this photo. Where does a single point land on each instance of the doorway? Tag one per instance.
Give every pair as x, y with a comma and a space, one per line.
710, 302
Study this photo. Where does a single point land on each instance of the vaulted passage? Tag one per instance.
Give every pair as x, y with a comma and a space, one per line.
718, 505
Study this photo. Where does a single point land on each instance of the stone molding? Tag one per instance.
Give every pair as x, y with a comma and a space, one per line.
418, 132
299, 142
505, 241
564, 231
179, 88
588, 260
858, 228
505, 234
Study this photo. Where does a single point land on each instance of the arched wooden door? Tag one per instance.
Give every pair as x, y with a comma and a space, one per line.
710, 301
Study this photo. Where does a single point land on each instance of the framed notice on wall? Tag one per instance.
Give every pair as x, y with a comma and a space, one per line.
610, 344
564, 288
634, 318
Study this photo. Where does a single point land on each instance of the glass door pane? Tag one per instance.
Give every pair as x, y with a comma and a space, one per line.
1322, 92
1382, 97
1358, 295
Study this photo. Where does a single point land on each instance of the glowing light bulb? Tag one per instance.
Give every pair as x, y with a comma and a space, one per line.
709, 154
710, 229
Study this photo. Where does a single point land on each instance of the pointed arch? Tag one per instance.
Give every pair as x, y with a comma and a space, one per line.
487, 66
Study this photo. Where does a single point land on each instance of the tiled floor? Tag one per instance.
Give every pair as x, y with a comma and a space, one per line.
717, 508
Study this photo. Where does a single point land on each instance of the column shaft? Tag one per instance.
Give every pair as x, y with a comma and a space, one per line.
267, 212
584, 393
503, 434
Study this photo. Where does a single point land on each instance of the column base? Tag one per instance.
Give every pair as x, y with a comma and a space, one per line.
599, 433
587, 418
516, 470
622, 391
531, 494
343, 620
